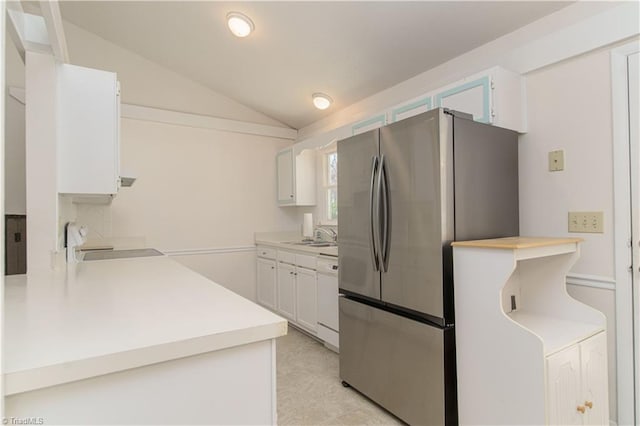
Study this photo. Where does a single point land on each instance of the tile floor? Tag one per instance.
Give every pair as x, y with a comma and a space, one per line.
310, 391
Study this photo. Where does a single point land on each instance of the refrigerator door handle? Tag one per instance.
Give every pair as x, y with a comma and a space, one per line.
373, 217
383, 225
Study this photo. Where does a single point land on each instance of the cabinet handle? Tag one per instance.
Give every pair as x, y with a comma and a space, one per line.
588, 404
291, 196
581, 408
273, 267
295, 274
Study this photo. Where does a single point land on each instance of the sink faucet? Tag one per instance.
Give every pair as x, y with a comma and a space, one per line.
329, 231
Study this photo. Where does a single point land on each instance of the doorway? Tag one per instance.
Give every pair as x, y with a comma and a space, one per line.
626, 146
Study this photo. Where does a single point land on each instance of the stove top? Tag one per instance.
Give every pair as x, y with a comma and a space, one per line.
120, 254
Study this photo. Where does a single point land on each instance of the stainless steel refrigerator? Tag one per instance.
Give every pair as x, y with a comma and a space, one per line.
405, 192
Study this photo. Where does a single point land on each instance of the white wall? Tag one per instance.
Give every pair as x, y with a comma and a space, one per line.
201, 188
197, 189
146, 83
569, 107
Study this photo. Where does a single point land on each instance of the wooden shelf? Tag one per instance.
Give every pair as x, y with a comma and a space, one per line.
556, 333
511, 243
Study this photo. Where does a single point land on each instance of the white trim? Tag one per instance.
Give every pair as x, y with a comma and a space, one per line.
143, 113
622, 225
274, 388
212, 250
53, 21
3, 43
593, 281
137, 112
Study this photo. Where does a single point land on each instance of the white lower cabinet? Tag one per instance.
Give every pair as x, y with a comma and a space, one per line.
266, 280
287, 291
287, 283
307, 299
576, 384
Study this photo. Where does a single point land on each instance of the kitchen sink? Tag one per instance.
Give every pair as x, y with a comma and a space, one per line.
312, 243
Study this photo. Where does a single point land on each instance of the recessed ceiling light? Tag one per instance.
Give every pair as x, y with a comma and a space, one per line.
239, 24
321, 101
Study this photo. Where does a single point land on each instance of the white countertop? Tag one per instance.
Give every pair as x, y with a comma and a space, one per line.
105, 316
280, 240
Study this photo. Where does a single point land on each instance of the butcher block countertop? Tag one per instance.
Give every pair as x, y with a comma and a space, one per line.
100, 317
510, 243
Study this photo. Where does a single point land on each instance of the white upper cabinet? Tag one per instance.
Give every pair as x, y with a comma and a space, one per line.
89, 131
494, 97
411, 108
296, 175
369, 124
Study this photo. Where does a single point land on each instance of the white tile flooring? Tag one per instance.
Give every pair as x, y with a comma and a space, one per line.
310, 391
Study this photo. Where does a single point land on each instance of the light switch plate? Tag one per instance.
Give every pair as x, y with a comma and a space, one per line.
556, 160
587, 222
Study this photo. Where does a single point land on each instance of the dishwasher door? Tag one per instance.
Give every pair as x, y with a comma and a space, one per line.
328, 327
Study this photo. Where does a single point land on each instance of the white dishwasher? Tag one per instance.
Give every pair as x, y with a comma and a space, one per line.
327, 268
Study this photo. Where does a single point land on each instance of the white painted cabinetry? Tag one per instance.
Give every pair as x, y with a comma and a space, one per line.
494, 97
307, 299
287, 291
89, 131
266, 276
288, 285
576, 385
297, 281
527, 352
296, 177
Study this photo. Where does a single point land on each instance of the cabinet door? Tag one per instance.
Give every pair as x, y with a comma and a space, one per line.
286, 293
595, 388
88, 117
472, 97
266, 278
307, 299
563, 387
286, 184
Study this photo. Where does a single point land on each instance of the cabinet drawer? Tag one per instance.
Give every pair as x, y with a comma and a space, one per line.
306, 261
266, 252
286, 257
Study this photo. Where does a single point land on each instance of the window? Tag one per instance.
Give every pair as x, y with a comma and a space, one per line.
330, 187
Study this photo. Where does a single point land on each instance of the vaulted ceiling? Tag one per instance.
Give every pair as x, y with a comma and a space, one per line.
349, 50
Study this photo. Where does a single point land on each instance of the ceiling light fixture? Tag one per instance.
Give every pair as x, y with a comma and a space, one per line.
321, 101
239, 24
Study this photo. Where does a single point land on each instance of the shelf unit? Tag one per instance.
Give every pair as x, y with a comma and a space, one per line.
526, 351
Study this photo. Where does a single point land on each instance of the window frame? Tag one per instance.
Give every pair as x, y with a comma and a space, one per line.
326, 187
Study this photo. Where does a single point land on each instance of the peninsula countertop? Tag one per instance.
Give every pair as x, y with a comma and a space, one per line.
100, 317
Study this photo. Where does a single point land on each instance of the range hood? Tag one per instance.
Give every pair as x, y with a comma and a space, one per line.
127, 181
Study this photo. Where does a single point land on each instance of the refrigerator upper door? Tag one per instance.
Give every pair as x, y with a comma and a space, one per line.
486, 181
418, 178
358, 166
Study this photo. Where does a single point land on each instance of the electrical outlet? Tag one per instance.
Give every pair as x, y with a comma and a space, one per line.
587, 222
556, 160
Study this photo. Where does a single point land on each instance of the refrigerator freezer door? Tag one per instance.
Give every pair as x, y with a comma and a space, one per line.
486, 181
397, 362
357, 162
417, 168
